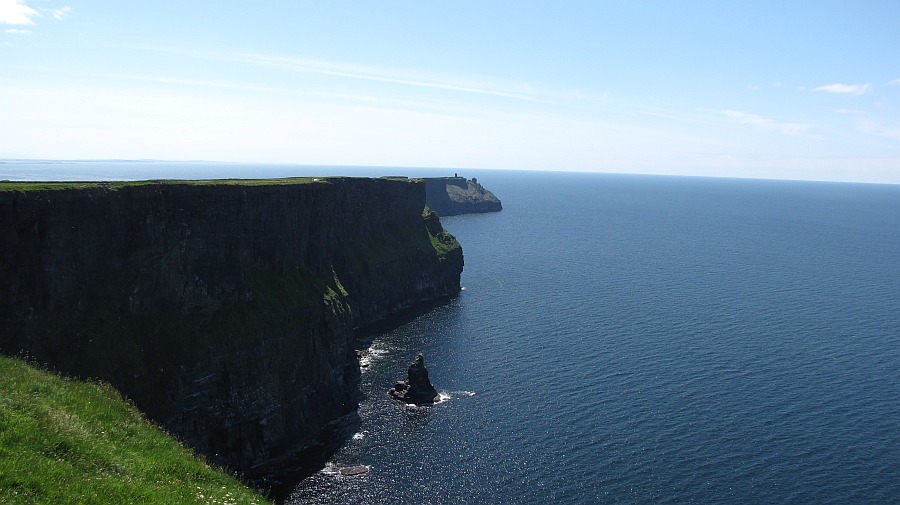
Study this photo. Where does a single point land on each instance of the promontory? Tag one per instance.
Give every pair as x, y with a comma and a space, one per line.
224, 309
450, 196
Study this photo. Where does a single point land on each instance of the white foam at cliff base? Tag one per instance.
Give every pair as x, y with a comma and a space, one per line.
372, 354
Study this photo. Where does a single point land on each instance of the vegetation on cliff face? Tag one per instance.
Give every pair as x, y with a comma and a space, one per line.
443, 242
65, 441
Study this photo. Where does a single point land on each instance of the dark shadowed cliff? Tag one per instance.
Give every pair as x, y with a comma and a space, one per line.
449, 196
224, 309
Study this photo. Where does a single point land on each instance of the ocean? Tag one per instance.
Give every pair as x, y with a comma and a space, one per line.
641, 339
634, 339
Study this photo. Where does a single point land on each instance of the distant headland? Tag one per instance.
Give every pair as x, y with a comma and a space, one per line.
449, 196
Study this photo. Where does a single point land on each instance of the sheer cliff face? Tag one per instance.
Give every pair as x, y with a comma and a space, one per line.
225, 312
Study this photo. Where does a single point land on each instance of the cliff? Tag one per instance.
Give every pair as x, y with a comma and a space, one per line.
224, 309
449, 196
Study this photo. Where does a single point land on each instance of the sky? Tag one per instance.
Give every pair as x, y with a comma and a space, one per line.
762, 89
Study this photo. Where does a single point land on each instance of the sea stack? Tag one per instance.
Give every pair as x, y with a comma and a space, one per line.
417, 388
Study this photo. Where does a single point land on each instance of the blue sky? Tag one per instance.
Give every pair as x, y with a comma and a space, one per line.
773, 89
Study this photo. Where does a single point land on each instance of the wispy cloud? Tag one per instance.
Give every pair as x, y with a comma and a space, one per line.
880, 128
61, 13
16, 30
766, 123
851, 112
226, 85
425, 105
895, 81
15, 12
376, 75
846, 89
485, 86
675, 116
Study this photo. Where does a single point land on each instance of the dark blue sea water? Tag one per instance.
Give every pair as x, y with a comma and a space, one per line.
636, 339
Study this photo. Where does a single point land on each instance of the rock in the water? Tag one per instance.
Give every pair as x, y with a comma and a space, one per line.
350, 471
417, 388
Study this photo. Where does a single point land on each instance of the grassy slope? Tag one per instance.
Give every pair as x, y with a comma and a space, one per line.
65, 441
45, 186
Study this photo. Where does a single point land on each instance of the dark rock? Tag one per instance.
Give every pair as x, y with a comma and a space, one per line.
350, 471
417, 387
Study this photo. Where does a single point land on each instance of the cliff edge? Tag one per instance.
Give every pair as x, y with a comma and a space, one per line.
450, 196
224, 309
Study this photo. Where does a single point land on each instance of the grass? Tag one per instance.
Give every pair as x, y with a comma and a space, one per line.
70, 442
443, 243
50, 186
337, 292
